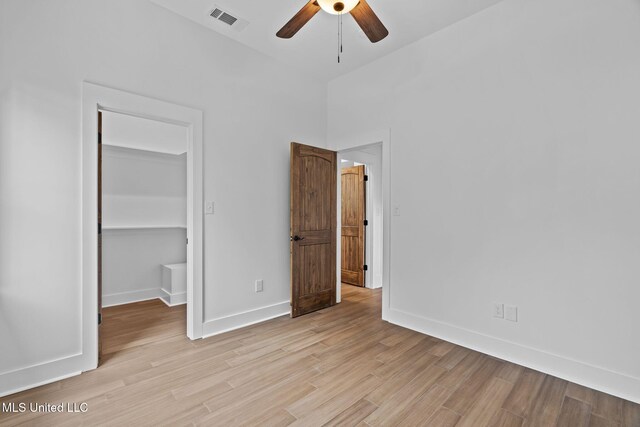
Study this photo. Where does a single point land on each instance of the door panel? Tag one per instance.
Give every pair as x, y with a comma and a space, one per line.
353, 232
313, 229
315, 175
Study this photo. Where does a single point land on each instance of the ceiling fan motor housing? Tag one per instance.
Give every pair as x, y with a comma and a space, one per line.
337, 7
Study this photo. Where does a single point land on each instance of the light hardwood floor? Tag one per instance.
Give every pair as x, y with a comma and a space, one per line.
339, 366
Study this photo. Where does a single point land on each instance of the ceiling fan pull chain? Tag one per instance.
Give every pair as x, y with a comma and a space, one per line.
341, 32
339, 36
339, 42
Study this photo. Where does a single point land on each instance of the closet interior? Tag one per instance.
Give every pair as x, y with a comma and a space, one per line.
144, 210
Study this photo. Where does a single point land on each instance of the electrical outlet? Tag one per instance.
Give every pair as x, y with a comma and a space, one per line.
498, 310
259, 285
396, 211
511, 313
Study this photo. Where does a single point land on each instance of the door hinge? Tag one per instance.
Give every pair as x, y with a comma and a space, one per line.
99, 318
99, 228
366, 222
366, 177
187, 240
365, 267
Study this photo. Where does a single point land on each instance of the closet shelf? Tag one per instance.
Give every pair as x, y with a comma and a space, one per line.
141, 227
145, 150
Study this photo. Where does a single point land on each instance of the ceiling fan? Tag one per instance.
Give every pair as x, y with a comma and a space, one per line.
359, 9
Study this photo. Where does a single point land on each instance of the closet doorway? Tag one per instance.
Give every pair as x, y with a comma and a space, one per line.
142, 233
142, 214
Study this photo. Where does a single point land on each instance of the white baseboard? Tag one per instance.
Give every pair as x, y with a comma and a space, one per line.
129, 297
40, 374
594, 377
246, 318
173, 299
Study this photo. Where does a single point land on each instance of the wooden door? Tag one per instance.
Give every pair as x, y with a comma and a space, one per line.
99, 236
353, 223
313, 229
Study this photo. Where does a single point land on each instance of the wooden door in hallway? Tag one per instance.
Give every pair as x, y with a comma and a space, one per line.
313, 229
353, 225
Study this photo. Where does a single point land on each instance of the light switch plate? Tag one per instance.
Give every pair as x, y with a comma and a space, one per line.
396, 211
208, 208
511, 313
259, 285
498, 310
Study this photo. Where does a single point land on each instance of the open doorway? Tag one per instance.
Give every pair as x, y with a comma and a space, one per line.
316, 224
142, 238
360, 212
96, 101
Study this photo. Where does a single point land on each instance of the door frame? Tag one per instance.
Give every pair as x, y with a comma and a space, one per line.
349, 144
100, 98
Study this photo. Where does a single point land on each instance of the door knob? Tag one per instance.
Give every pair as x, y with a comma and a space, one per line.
296, 238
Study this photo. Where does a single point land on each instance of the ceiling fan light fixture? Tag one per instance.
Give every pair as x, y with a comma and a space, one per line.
336, 7
360, 10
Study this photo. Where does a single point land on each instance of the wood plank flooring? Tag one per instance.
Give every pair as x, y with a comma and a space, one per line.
340, 366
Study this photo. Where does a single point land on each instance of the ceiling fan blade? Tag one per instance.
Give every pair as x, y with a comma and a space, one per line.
369, 22
298, 21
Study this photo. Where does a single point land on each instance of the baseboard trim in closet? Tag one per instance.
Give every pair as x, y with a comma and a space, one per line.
133, 296
173, 299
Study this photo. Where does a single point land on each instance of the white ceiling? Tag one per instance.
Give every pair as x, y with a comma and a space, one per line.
314, 48
122, 130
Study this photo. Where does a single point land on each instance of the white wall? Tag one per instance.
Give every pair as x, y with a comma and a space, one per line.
143, 188
253, 107
132, 262
123, 130
140, 189
514, 163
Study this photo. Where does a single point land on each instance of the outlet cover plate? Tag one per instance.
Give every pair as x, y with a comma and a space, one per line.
511, 313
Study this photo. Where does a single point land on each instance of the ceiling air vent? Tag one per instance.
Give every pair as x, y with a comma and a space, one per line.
231, 19
228, 19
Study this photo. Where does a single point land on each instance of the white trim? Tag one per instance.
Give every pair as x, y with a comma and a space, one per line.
40, 374
95, 98
172, 300
350, 143
245, 318
594, 377
131, 296
143, 227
